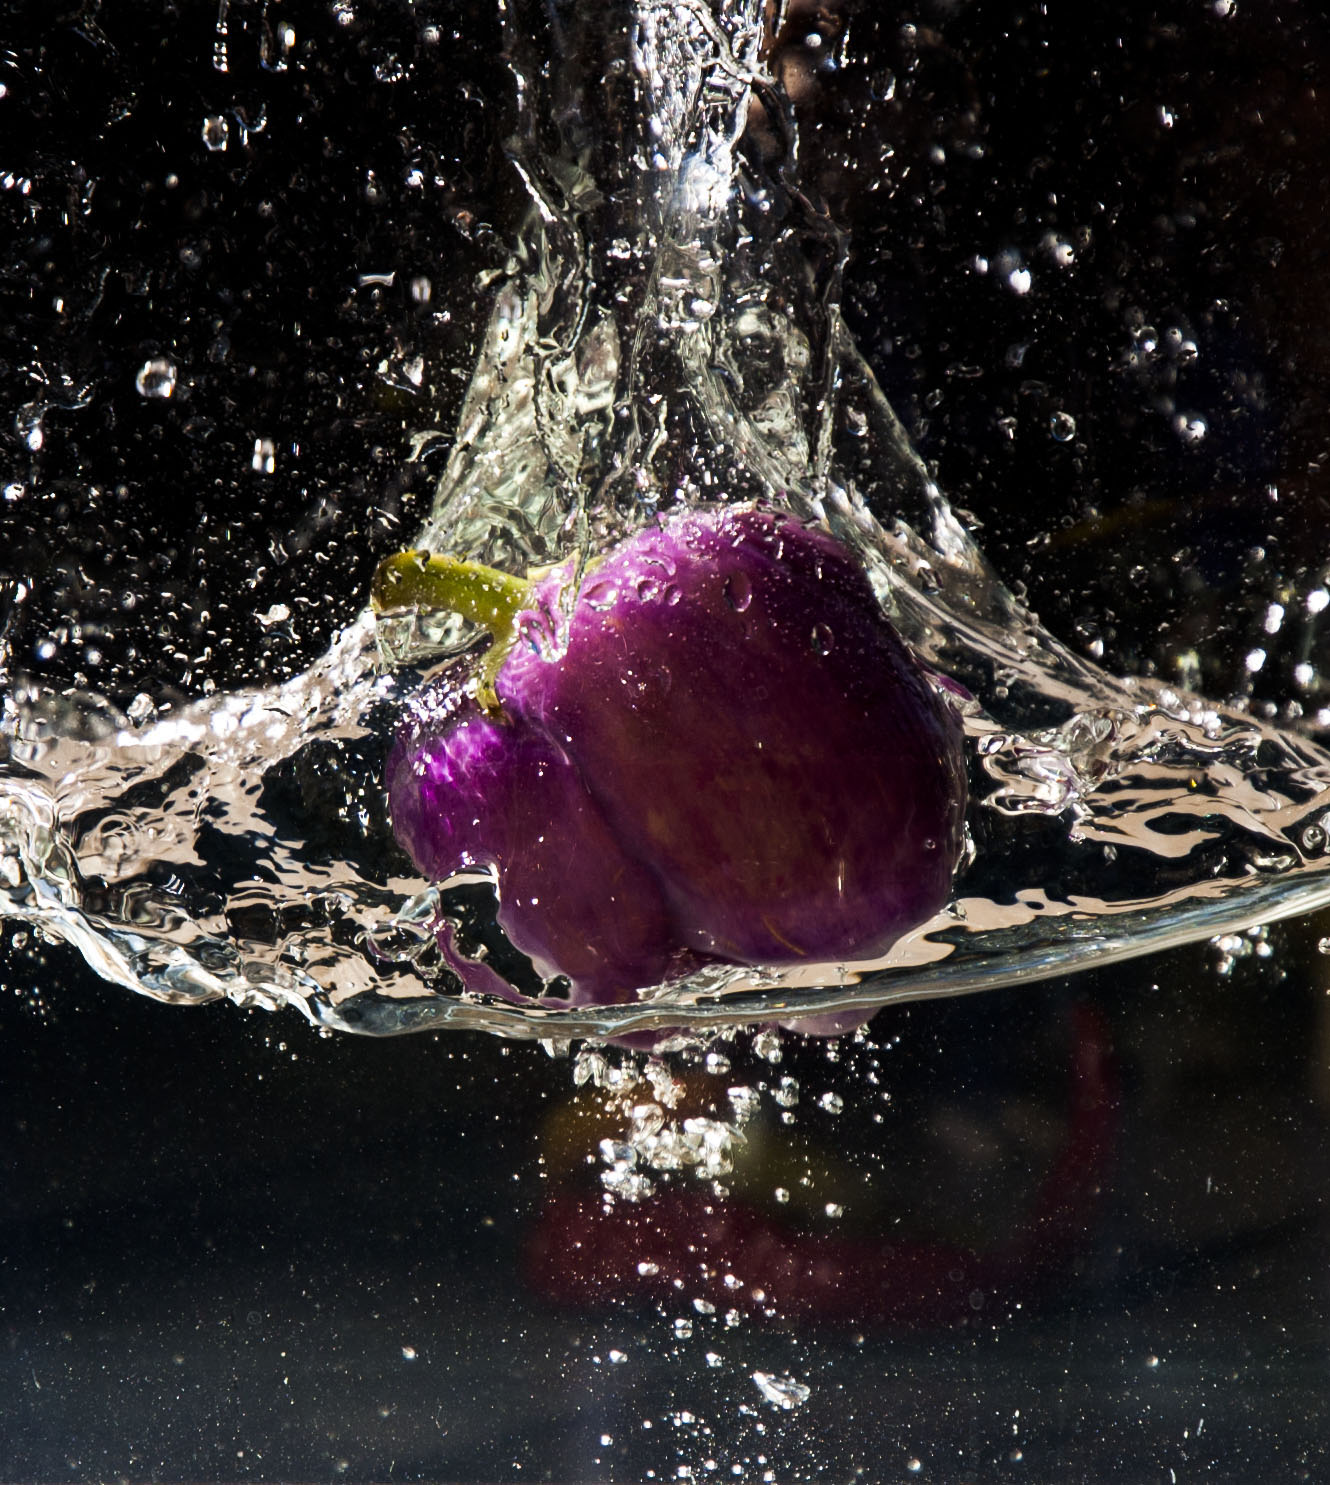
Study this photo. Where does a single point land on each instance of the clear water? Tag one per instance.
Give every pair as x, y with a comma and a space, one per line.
668, 327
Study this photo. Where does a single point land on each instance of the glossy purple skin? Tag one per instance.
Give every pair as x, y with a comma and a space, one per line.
734, 758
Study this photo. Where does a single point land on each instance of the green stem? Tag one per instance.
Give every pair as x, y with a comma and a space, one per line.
488, 597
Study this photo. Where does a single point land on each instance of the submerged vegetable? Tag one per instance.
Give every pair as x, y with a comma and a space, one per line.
720, 750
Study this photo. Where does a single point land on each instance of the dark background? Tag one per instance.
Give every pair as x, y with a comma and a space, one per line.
220, 1231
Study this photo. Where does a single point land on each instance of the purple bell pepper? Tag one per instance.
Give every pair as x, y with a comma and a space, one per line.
718, 751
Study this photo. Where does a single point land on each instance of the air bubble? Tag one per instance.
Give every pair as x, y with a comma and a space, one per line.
767, 1045
1062, 426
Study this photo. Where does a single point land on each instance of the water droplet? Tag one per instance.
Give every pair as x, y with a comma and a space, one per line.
834, 1209
647, 589
787, 1095
738, 591
422, 290
782, 1390
683, 1327
1062, 426
833, 1103
264, 458
823, 640
600, 595
28, 426
391, 69
1190, 428
156, 378
672, 594
216, 131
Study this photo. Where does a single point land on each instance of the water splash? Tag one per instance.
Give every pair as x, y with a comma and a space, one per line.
670, 329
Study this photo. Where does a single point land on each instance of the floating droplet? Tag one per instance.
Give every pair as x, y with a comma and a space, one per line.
264, 459
28, 426
782, 1390
1062, 426
216, 131
824, 641
156, 378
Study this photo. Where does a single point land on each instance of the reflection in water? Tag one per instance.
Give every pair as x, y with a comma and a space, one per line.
669, 329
